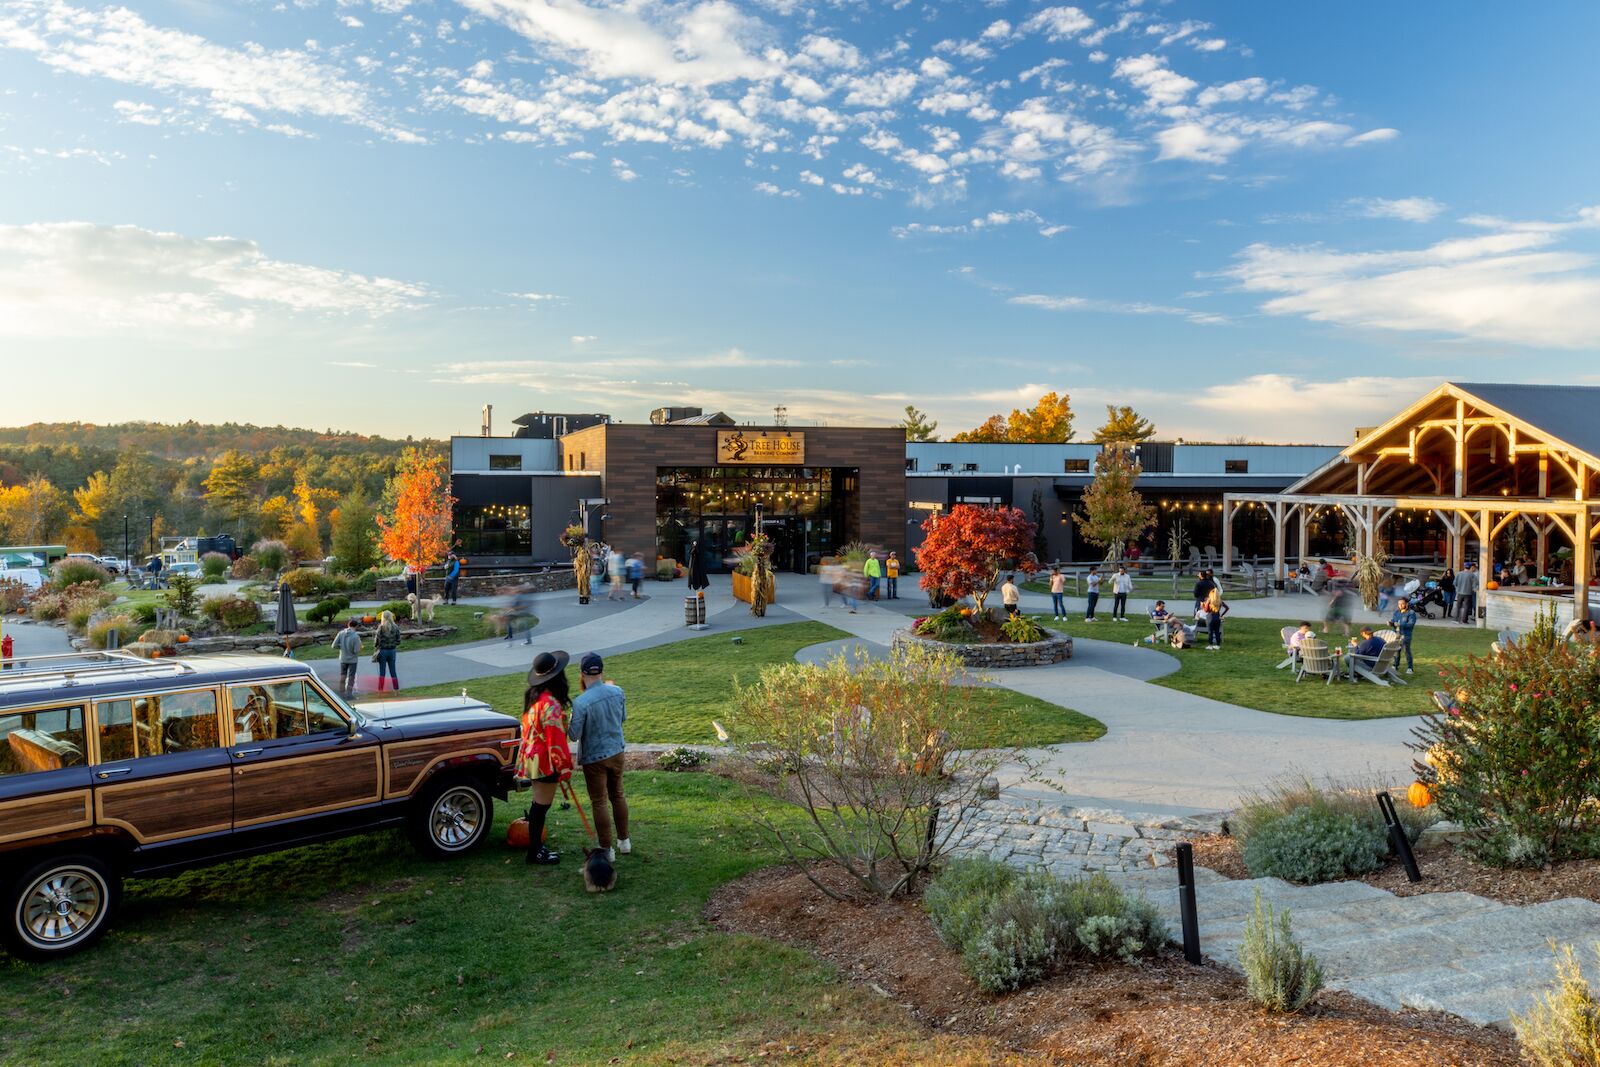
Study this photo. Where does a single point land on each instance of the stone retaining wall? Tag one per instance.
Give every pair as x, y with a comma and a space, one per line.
1072, 841
266, 643
1033, 654
394, 588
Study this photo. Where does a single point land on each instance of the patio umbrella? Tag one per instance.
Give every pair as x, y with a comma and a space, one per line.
697, 569
287, 623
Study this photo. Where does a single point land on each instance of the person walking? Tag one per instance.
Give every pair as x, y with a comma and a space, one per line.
1203, 584
828, 577
1058, 593
615, 568
521, 607
598, 712
1121, 586
891, 574
545, 757
1215, 608
1467, 595
1093, 582
348, 642
874, 573
1011, 596
388, 644
452, 577
635, 573
1404, 620
1340, 607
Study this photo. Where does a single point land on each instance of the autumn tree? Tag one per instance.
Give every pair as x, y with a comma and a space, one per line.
417, 531
1124, 426
1047, 422
32, 513
965, 552
233, 488
917, 425
93, 497
1113, 511
353, 527
276, 516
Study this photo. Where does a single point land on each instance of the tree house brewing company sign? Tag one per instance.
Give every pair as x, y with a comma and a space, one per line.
738, 446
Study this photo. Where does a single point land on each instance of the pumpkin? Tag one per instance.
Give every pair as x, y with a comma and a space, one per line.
1419, 794
965, 612
369, 619
1491, 585
155, 653
183, 639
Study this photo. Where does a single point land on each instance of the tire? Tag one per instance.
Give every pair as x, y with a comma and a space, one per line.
451, 817
59, 906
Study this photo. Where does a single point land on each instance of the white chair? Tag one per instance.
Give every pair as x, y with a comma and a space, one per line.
1373, 670
1393, 639
1289, 651
1315, 658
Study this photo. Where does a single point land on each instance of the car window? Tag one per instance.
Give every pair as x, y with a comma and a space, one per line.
281, 709
157, 724
44, 739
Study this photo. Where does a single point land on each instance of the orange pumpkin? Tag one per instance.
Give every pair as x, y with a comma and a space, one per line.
183, 639
1419, 794
369, 619
965, 612
155, 653
1491, 585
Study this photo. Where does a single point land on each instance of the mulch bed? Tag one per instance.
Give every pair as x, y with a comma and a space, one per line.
1158, 1013
1445, 869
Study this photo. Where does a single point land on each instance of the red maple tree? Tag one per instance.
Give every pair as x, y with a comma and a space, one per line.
965, 552
418, 529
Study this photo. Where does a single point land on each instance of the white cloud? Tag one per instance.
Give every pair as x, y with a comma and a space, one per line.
1286, 407
1150, 74
1193, 141
356, 363
1373, 137
538, 298
772, 190
622, 171
1510, 286
78, 278
1058, 23
1408, 209
583, 338
1081, 303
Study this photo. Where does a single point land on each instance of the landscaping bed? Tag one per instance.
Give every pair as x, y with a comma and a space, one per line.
996, 655
1158, 1012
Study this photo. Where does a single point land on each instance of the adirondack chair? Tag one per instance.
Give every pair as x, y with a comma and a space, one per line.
1504, 640
1393, 638
1288, 650
1213, 561
1316, 659
1374, 671
1195, 562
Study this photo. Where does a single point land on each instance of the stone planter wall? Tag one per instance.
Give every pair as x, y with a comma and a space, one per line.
266, 643
394, 588
997, 656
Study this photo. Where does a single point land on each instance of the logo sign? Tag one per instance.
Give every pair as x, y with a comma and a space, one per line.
758, 446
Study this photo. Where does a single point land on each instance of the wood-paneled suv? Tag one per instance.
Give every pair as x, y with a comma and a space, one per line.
114, 766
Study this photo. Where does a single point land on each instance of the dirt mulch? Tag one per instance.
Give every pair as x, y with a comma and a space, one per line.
1159, 1013
1445, 869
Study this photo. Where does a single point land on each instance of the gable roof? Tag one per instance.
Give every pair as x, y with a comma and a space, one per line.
1568, 413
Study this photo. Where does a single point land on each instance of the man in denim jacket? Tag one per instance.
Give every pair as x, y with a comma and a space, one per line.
597, 717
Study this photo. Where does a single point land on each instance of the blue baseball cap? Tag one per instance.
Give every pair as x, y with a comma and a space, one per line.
592, 663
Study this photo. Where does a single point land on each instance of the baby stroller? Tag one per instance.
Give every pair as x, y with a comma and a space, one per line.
1427, 597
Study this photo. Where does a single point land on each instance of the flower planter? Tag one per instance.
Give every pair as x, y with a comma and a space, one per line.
1053, 649
743, 587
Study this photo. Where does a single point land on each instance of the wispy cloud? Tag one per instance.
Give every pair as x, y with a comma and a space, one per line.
1407, 209
1113, 307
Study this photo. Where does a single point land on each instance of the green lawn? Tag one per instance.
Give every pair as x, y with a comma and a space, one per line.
362, 950
1241, 672
674, 691
472, 623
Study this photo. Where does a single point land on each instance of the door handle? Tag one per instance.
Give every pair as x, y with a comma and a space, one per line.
241, 753
111, 771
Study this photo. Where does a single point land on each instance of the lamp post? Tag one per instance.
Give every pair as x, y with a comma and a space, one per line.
127, 564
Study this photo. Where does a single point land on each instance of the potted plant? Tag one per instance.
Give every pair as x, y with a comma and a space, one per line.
753, 580
576, 540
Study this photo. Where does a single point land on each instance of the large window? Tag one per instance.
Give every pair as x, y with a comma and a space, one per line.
44, 739
1075, 466
157, 724
494, 530
504, 462
1236, 466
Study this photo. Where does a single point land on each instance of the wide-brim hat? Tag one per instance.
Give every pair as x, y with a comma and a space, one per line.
546, 665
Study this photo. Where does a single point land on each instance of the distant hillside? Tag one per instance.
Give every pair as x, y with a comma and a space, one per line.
197, 440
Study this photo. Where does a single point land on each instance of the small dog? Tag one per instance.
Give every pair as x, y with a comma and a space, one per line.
598, 874
421, 607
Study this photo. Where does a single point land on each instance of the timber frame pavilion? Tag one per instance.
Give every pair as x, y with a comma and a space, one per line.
1478, 457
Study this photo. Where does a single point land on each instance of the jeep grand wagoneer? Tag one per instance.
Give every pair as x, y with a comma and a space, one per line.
111, 765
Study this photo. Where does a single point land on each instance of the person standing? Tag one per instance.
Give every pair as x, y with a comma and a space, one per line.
1447, 591
828, 577
452, 577
388, 644
891, 572
598, 713
1215, 608
1404, 620
348, 642
1010, 596
1203, 584
1467, 595
874, 572
1121, 586
411, 579
1093, 582
545, 758
1058, 593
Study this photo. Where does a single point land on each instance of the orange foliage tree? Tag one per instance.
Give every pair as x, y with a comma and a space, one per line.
965, 552
418, 531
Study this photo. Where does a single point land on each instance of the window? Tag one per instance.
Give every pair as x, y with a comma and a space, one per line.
45, 739
583, 461
156, 725
911, 465
281, 709
1236, 466
1075, 466
494, 530
505, 463
969, 467
946, 467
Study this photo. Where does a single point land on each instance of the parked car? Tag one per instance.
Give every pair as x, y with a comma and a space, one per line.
112, 564
190, 569
114, 766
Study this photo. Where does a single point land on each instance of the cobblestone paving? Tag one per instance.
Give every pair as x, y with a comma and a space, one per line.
1067, 841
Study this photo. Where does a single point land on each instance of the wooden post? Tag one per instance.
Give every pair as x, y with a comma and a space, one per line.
1277, 544
1582, 563
1461, 448
1305, 533
1227, 533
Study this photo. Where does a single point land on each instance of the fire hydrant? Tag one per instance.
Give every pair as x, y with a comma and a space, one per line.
5, 652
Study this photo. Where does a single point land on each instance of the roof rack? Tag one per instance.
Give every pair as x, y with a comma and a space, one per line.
70, 666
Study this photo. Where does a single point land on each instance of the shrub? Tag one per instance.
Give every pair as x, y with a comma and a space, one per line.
271, 555
1563, 1026
145, 614
233, 612
366, 581
1513, 758
245, 567
1021, 630
78, 613
215, 564
69, 572
126, 626
304, 581
680, 759
948, 625
1357, 799
867, 747
324, 611
68, 602
12, 594
181, 596
1278, 974
1315, 844
962, 895
401, 609
1013, 948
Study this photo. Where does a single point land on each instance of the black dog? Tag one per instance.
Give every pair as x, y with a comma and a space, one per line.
598, 874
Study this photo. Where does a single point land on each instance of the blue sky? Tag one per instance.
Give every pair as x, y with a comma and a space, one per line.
1255, 220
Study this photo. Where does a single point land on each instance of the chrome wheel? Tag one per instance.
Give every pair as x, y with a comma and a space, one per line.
457, 818
64, 905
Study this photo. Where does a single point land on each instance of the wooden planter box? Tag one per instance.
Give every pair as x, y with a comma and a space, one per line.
742, 586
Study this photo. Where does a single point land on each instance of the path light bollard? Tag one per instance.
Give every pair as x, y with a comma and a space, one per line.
1186, 905
1398, 841
933, 825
